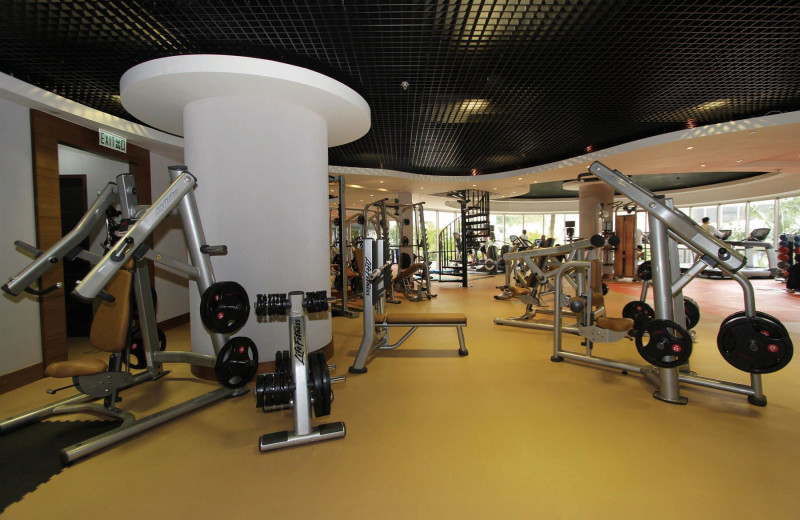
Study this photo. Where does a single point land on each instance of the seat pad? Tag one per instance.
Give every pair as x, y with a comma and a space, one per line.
78, 367
440, 318
615, 324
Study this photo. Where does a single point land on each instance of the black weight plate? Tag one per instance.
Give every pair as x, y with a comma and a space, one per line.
755, 345
260, 390
315, 374
639, 311
224, 307
136, 348
237, 362
692, 312
665, 339
769, 317
645, 271
327, 393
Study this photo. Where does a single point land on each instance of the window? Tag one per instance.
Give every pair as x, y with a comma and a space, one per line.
790, 215
513, 225
732, 216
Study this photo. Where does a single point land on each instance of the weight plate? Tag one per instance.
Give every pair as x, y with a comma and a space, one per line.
668, 345
755, 345
604, 287
327, 392
764, 315
784, 249
136, 348
639, 312
224, 307
692, 311
645, 271
315, 385
237, 362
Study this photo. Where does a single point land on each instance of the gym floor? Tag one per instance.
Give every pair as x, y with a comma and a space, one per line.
502, 433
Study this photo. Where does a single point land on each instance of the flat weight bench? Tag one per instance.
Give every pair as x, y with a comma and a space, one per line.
380, 341
377, 323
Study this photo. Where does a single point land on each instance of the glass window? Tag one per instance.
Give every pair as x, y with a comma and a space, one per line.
431, 234
513, 226
761, 214
790, 215
534, 225
496, 220
732, 216
697, 213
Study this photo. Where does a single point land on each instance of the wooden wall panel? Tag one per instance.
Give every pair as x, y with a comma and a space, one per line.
47, 132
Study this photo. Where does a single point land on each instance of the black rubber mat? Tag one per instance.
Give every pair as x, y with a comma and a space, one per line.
30, 456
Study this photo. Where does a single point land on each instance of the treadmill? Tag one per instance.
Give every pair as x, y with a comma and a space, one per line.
748, 247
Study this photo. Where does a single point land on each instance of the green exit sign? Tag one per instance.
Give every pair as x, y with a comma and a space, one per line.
114, 142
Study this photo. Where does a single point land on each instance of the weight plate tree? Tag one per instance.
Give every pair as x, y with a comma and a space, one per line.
758, 345
224, 307
237, 362
668, 344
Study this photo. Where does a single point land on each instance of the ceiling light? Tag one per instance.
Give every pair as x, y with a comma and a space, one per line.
751, 132
519, 178
702, 165
381, 182
495, 188
690, 147
738, 160
474, 185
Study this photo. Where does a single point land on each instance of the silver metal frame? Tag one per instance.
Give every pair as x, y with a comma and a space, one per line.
376, 337
178, 196
304, 432
668, 226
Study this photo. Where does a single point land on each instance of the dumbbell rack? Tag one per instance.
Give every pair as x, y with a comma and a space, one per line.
301, 399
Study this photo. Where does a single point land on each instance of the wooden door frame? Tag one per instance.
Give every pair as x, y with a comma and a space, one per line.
47, 132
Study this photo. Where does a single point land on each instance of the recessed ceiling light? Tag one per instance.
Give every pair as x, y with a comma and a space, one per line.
381, 182
702, 165
690, 147
519, 178
751, 132
495, 188
422, 187
474, 185
738, 160
513, 192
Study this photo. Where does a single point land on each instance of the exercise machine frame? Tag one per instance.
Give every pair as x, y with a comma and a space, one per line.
178, 197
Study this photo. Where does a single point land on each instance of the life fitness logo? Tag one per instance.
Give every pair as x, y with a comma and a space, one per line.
299, 347
368, 269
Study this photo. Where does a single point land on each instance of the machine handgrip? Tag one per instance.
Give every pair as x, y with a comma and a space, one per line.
35, 251
40, 292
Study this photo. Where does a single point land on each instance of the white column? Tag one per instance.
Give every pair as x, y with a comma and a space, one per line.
256, 136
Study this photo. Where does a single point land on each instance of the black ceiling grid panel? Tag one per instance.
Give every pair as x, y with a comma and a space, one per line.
493, 85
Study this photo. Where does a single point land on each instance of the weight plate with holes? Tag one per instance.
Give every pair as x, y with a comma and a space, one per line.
639, 312
224, 307
768, 317
664, 343
327, 392
320, 384
645, 271
263, 390
136, 348
755, 345
692, 312
237, 362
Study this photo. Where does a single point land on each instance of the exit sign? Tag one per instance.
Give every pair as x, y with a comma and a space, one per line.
114, 142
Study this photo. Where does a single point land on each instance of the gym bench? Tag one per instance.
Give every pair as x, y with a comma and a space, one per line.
377, 323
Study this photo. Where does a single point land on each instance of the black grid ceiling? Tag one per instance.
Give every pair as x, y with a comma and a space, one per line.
494, 85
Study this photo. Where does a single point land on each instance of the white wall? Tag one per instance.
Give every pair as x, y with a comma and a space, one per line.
21, 343
168, 239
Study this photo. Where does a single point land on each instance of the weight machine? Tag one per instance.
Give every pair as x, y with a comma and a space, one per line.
748, 340
304, 387
226, 311
587, 304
